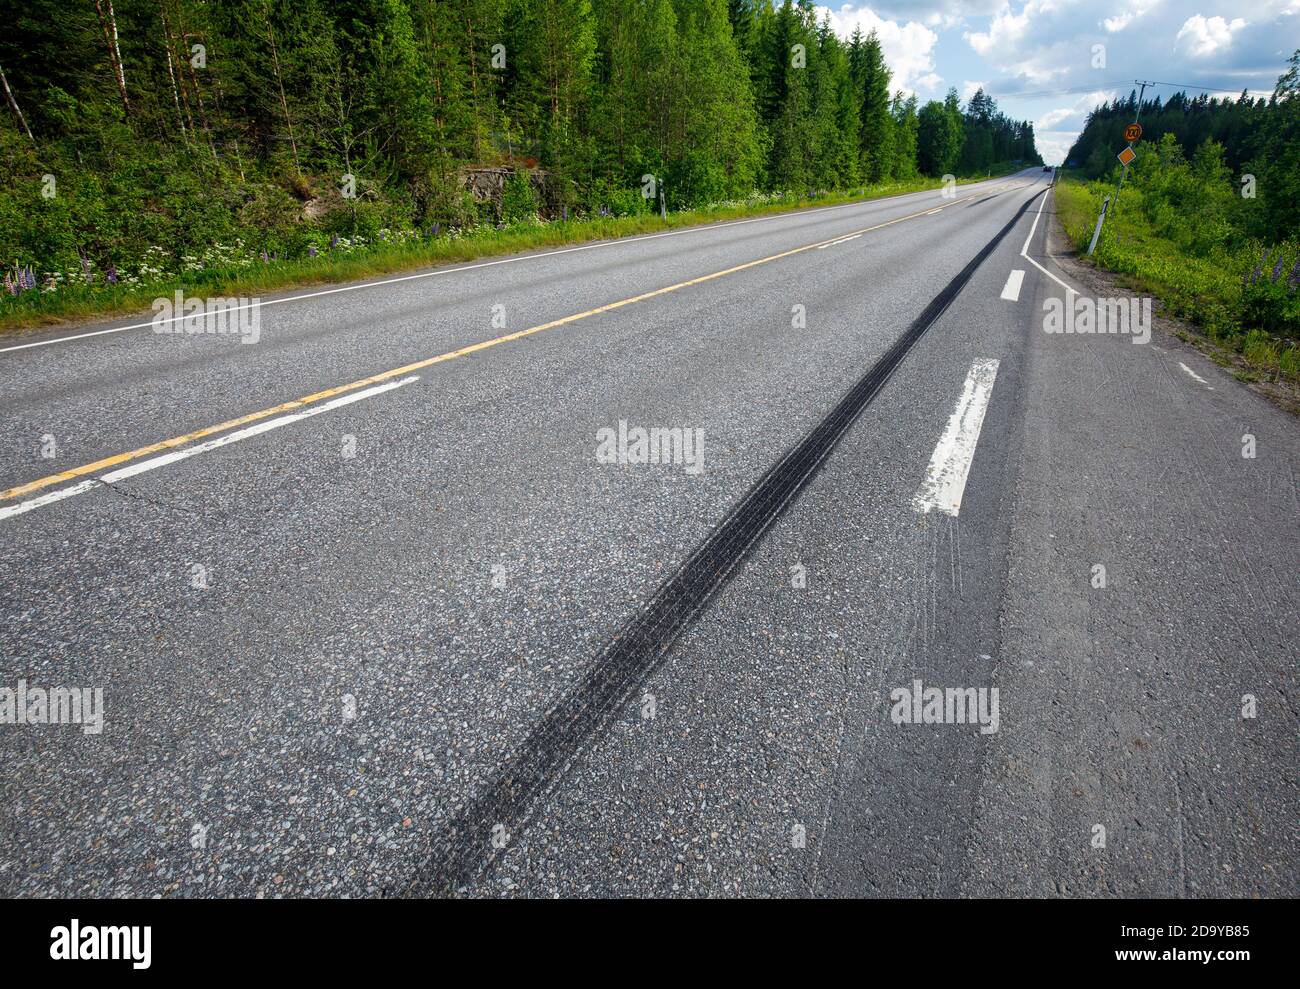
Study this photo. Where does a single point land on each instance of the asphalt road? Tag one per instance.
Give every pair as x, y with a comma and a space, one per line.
324, 630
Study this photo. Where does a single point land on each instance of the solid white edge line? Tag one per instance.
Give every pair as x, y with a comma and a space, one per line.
488, 264
1024, 251
945, 477
46, 499
1011, 290
170, 458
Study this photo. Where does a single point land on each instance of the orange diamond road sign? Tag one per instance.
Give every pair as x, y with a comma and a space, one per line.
1132, 132
1126, 156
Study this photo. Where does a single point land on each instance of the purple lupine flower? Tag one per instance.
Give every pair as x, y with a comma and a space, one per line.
110, 275
1294, 280
311, 250
10, 285
437, 227
265, 257
334, 241
1259, 268
564, 213
1277, 268
30, 277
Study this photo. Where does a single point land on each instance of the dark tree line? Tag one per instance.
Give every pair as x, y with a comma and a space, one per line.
191, 120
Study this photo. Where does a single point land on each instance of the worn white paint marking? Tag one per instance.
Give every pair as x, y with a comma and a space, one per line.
945, 479
1194, 375
1011, 290
837, 243
46, 499
170, 458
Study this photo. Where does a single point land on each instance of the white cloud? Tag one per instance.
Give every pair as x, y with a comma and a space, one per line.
1123, 19
1005, 30
1076, 113
908, 47
934, 13
1206, 35
945, 21
1034, 73
969, 88
1053, 117
1054, 145
1037, 56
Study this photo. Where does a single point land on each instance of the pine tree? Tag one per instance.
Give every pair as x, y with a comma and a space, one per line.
906, 126
937, 139
713, 150
555, 46
877, 126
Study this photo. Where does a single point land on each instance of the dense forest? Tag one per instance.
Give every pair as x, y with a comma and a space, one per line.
163, 135
1234, 138
1209, 218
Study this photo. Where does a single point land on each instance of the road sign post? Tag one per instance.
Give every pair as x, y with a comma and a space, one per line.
1125, 158
1132, 133
1097, 230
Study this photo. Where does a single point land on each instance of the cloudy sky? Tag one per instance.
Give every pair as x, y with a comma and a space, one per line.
1037, 56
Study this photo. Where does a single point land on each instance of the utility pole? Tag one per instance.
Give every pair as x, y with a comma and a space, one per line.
1143, 83
1110, 202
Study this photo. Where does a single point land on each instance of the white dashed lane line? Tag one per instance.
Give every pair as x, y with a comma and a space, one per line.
845, 240
1011, 291
945, 479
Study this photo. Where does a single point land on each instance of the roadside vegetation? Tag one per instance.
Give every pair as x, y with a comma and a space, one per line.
1212, 231
259, 144
240, 271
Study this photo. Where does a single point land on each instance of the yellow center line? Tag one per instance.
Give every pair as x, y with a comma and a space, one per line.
398, 372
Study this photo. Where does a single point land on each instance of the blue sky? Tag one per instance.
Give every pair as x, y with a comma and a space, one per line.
1036, 57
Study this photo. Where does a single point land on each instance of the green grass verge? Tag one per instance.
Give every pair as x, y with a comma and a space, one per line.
78, 302
1204, 289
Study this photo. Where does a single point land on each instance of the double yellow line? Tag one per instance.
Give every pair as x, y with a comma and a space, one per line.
398, 372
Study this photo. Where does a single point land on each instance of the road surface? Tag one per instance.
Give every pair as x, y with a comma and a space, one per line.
373, 614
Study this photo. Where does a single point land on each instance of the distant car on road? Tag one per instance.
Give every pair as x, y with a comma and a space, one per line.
1047, 168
